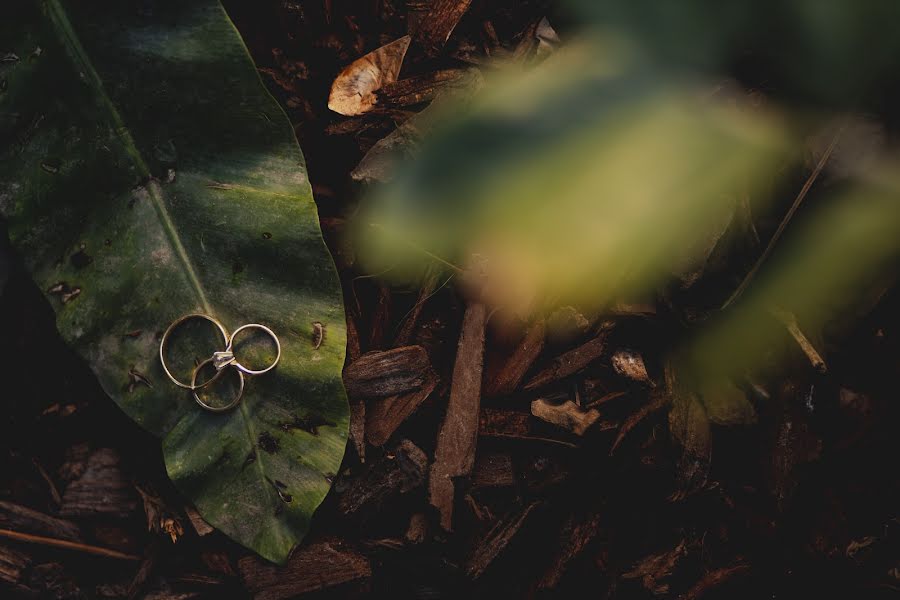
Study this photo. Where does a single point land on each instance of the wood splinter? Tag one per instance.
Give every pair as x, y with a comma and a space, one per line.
567, 415
454, 455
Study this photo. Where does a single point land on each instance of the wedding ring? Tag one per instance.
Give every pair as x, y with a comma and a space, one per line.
165, 337
230, 359
220, 359
209, 407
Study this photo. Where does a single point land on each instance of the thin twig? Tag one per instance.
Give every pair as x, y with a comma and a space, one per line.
790, 213
66, 544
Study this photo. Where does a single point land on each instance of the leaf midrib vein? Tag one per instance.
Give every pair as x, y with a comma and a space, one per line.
78, 54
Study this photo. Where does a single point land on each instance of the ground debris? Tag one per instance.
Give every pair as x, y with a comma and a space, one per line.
510, 376
454, 455
384, 415
498, 539
567, 415
25, 520
574, 360
655, 569
577, 533
435, 27
353, 91
101, 490
315, 567
387, 373
396, 473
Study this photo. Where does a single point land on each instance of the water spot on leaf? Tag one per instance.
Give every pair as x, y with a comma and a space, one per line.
267, 442
266, 235
81, 259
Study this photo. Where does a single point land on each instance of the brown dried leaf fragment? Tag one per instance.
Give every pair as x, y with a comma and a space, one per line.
454, 455
567, 415
631, 365
353, 91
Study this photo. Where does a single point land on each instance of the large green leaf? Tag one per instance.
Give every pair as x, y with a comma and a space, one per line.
146, 173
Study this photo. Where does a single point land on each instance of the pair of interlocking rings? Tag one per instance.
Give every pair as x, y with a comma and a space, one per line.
219, 359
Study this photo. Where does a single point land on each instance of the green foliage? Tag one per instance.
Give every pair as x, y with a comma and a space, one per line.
148, 174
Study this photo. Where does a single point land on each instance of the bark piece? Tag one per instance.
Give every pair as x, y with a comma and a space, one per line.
455, 451
197, 522
358, 426
397, 473
434, 29
498, 539
656, 402
12, 564
407, 328
315, 567
52, 580
713, 579
357, 407
511, 424
385, 415
101, 490
380, 317
419, 89
353, 90
25, 520
417, 530
353, 346
567, 415
574, 360
513, 371
654, 569
493, 470
575, 536
388, 372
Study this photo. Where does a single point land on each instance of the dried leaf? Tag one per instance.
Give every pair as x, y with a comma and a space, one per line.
353, 91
